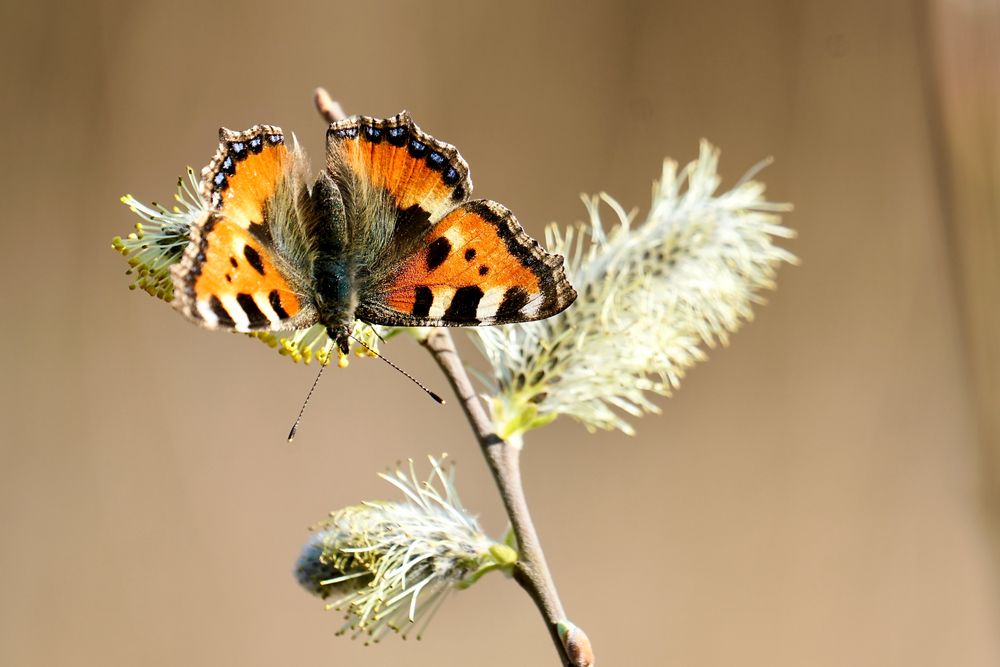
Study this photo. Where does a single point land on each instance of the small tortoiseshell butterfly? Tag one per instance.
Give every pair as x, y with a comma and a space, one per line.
387, 234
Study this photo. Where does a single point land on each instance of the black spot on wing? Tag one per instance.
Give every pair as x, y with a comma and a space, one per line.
220, 311
261, 231
410, 229
254, 258
412, 216
345, 133
514, 299
437, 252
254, 314
232, 260
464, 304
398, 136
275, 302
470, 254
422, 301
418, 149
483, 269
436, 161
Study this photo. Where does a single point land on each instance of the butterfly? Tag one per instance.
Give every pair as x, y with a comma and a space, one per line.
386, 234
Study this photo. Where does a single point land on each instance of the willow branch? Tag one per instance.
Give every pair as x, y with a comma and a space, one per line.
503, 458
328, 108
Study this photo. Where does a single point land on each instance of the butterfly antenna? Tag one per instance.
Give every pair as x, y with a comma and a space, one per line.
411, 378
295, 426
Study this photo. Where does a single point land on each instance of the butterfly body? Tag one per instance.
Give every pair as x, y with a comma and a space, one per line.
335, 277
385, 234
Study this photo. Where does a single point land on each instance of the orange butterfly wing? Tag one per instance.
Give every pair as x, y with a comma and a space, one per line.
423, 177
230, 276
477, 266
451, 262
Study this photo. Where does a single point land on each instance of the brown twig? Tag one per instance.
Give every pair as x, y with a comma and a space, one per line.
531, 571
328, 108
503, 458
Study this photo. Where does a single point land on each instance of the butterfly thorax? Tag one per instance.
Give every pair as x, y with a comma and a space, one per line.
336, 298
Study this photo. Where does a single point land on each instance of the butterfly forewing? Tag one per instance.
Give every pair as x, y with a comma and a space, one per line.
423, 177
231, 275
476, 266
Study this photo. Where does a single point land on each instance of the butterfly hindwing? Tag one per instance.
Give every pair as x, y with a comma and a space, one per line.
476, 266
231, 275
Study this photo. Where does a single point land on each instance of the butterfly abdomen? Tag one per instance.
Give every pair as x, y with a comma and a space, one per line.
336, 296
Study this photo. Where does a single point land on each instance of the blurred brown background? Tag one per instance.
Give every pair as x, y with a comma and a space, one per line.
821, 493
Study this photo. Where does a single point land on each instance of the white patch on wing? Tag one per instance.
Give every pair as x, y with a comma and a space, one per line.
490, 303
207, 314
265, 307
454, 236
442, 299
235, 310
